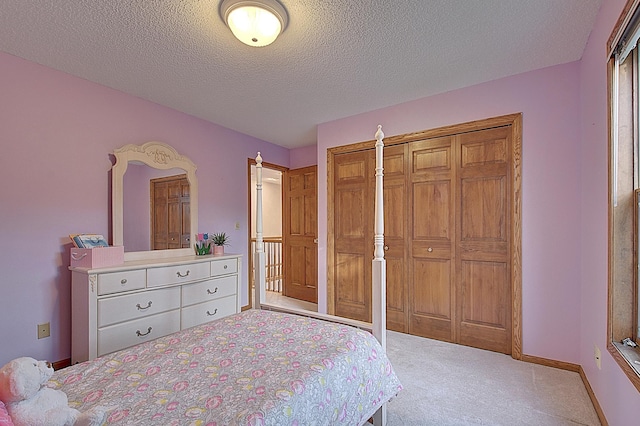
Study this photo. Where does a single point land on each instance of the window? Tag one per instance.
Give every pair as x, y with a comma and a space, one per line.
624, 192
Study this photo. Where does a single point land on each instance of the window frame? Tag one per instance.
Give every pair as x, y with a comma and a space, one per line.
623, 209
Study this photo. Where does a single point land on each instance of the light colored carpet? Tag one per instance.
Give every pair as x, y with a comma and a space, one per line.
447, 384
454, 385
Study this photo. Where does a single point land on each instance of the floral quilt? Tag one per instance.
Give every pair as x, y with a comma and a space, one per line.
253, 368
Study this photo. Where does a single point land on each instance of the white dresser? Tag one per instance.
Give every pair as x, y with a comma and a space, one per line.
120, 306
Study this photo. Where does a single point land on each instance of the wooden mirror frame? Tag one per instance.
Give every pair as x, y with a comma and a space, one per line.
159, 156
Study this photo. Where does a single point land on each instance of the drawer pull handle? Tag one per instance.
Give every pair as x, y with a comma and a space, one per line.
225, 266
215, 311
140, 308
212, 292
182, 276
123, 281
78, 256
143, 334
430, 249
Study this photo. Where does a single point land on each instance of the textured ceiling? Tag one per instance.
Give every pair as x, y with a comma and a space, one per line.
336, 58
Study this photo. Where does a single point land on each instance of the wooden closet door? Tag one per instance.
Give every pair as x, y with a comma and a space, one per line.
452, 199
353, 227
460, 285
300, 231
396, 170
483, 223
353, 214
432, 248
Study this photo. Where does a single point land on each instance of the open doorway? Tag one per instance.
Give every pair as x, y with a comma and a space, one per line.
274, 207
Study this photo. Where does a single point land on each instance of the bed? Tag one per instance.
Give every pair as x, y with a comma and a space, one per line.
258, 367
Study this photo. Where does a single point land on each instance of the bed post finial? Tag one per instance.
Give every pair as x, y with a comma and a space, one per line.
259, 261
379, 133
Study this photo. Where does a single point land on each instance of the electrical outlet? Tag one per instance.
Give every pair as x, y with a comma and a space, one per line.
597, 355
44, 330
237, 226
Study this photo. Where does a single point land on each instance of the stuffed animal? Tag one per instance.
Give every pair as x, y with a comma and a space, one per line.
30, 403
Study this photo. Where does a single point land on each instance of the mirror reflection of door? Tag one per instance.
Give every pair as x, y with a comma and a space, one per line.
170, 212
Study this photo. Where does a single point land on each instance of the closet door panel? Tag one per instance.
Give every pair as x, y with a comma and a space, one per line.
353, 219
483, 210
431, 302
431, 244
483, 240
352, 297
352, 224
432, 210
395, 244
396, 295
485, 301
396, 235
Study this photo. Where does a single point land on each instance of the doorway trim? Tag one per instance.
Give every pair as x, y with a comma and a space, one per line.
513, 120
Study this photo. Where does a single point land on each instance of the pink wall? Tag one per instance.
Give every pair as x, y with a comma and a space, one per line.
618, 397
303, 157
56, 133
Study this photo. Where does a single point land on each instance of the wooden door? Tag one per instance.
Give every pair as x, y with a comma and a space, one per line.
170, 213
432, 259
353, 230
451, 216
483, 240
354, 188
301, 233
460, 271
396, 169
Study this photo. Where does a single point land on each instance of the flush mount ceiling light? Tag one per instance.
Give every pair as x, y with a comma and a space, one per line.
254, 22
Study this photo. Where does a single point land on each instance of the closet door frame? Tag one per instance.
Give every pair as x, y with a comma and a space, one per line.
513, 120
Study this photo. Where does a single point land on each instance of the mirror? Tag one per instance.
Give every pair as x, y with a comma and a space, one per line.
163, 160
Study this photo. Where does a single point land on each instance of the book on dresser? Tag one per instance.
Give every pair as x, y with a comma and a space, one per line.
120, 306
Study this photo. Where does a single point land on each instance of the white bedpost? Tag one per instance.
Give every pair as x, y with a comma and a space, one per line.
379, 268
378, 275
259, 259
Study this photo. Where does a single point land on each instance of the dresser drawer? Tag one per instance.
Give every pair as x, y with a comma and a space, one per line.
116, 309
117, 282
208, 311
224, 266
209, 290
177, 274
120, 336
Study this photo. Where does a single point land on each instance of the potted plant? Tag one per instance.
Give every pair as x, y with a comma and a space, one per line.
219, 240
